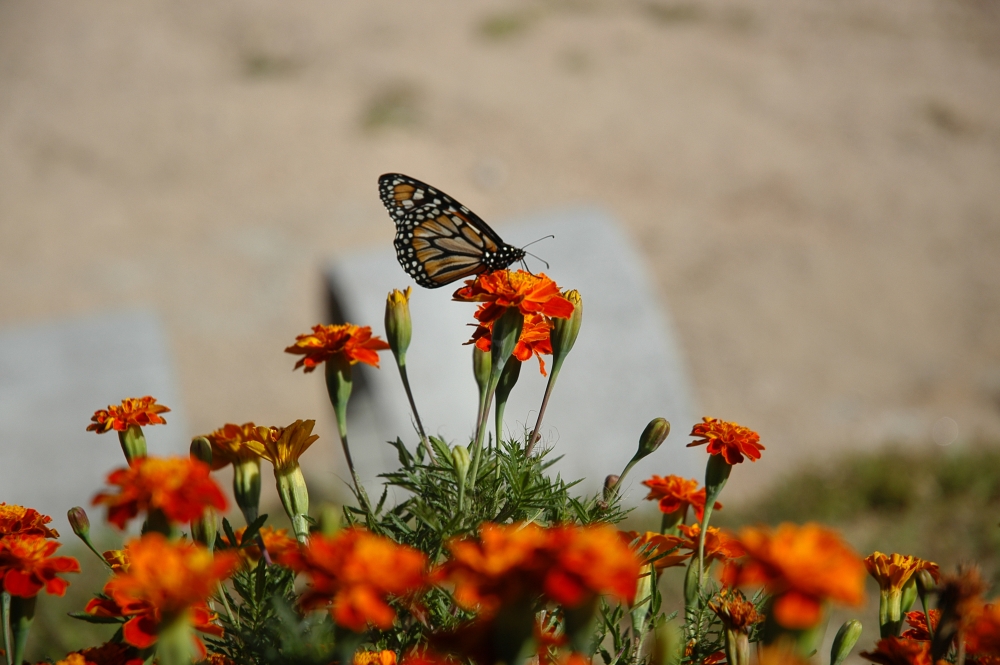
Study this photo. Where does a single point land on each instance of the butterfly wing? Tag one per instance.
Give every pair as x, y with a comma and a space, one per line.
437, 248
439, 240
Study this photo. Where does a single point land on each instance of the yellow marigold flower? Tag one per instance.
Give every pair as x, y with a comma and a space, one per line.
282, 446
140, 411
384, 657
730, 440
229, 444
893, 571
24, 521
117, 559
355, 343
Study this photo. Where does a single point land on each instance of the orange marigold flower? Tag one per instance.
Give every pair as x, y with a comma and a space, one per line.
779, 654
110, 653
503, 289
656, 549
896, 651
675, 493
27, 566
801, 566
229, 444
282, 446
535, 339
719, 544
893, 571
139, 411
735, 611
918, 624
180, 487
384, 657
276, 541
18, 520
730, 440
569, 564
983, 636
117, 559
164, 581
354, 343
355, 572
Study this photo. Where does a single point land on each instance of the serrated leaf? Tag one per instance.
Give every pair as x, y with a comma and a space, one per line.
90, 618
252, 529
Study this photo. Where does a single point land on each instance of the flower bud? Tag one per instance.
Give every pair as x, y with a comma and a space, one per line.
481, 367
246, 488
609, 485
204, 528
79, 522
925, 583
845, 640
201, 450
654, 435
460, 458
398, 327
716, 474
565, 331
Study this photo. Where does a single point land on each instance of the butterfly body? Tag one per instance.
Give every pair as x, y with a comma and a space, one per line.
439, 240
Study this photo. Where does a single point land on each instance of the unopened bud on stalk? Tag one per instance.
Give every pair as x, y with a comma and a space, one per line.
610, 483
655, 434
481, 368
79, 522
246, 488
398, 327
201, 450
460, 458
845, 640
925, 583
565, 331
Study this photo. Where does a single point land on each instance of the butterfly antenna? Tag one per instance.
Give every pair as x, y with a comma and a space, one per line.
539, 240
547, 267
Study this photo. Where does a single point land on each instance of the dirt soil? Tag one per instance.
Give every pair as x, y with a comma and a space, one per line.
816, 186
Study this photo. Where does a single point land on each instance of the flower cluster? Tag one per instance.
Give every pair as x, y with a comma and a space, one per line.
354, 573
567, 564
137, 411
179, 487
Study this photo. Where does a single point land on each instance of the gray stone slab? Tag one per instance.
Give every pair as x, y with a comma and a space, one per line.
53, 377
625, 369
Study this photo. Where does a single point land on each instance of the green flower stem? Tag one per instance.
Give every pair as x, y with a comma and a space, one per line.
669, 521
174, 645
401, 364
716, 474
553, 375
22, 614
5, 624
339, 384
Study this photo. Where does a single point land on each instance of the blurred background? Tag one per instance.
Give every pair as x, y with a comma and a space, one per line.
814, 187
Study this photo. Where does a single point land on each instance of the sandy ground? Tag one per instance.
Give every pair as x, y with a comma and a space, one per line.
815, 185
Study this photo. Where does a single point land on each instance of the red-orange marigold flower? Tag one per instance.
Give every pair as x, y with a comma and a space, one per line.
180, 487
675, 493
384, 657
229, 444
535, 339
18, 520
355, 572
896, 651
983, 636
569, 564
503, 289
656, 549
27, 566
354, 343
801, 566
917, 623
730, 440
139, 411
276, 541
735, 611
110, 653
164, 581
719, 544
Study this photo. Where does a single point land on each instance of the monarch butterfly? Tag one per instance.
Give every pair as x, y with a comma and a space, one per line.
439, 240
